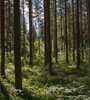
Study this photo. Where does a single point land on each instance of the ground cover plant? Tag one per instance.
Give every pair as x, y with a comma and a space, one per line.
66, 83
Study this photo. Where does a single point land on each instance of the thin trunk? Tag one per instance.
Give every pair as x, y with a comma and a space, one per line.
30, 29
55, 32
6, 32
24, 33
78, 36
69, 29
87, 22
85, 30
81, 28
73, 32
17, 53
9, 28
2, 40
33, 37
66, 33
89, 36
45, 33
61, 26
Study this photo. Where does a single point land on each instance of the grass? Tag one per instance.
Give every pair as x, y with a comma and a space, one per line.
67, 83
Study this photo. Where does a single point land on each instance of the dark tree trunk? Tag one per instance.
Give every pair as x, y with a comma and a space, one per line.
66, 33
6, 31
33, 37
85, 30
9, 28
17, 53
81, 28
87, 23
89, 35
47, 27
46, 33
78, 36
24, 53
73, 32
69, 31
30, 29
61, 27
2, 40
55, 32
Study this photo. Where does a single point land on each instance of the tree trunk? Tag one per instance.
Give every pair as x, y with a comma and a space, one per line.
81, 28
87, 23
24, 33
78, 36
2, 40
6, 32
9, 28
85, 30
69, 29
66, 33
73, 32
30, 29
89, 36
55, 32
61, 26
46, 33
47, 7
17, 53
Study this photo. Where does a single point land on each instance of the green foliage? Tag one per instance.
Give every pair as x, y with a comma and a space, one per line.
66, 82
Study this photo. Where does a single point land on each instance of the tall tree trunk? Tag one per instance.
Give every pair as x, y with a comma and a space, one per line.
69, 29
45, 30
85, 30
6, 31
47, 10
30, 29
81, 28
55, 31
33, 37
24, 53
73, 32
2, 40
78, 36
17, 53
61, 26
9, 28
49, 39
66, 33
46, 34
89, 36
87, 22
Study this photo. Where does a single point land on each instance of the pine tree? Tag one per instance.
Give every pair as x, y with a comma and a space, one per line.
2, 39
17, 54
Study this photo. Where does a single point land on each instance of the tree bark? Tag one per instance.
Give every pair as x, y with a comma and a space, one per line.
55, 32
73, 32
17, 53
9, 28
30, 29
78, 36
81, 28
66, 33
24, 53
2, 39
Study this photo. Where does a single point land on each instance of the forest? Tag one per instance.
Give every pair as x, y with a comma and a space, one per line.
44, 49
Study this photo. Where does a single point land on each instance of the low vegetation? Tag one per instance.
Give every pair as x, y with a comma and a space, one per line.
66, 83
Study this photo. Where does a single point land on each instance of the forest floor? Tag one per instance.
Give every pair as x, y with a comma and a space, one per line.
67, 83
